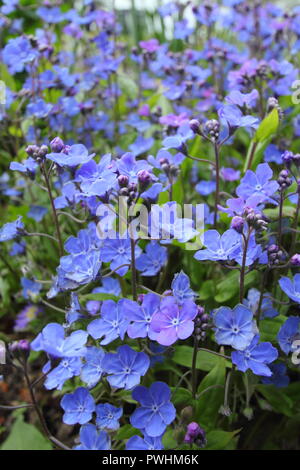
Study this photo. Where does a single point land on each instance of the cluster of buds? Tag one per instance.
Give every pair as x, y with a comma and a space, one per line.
263, 70
169, 169
275, 254
127, 189
36, 152
212, 128
201, 324
284, 180
255, 219
195, 435
273, 104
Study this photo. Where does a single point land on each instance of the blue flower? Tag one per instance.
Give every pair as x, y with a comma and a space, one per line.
156, 411
92, 439
172, 321
96, 179
17, 53
78, 406
11, 230
75, 270
291, 287
279, 378
233, 116
76, 155
181, 288
255, 357
37, 213
92, 369
234, 327
38, 108
112, 324
128, 166
52, 340
258, 184
154, 258
288, 333
205, 187
110, 285
141, 145
219, 247
140, 316
117, 252
108, 416
183, 134
67, 368
144, 443
126, 367
252, 302
28, 166
30, 289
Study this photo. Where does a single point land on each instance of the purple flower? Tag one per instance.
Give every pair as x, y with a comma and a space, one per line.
78, 406
258, 184
52, 340
229, 174
152, 261
11, 230
181, 288
140, 316
112, 324
76, 155
243, 99
125, 367
92, 439
144, 443
291, 287
92, 369
219, 247
151, 45
255, 357
127, 165
26, 315
234, 327
108, 416
288, 334
173, 322
156, 411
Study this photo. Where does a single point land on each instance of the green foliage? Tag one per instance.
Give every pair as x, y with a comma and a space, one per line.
24, 436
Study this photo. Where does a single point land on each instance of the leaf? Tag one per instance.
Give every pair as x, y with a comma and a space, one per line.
219, 440
24, 436
208, 404
125, 432
269, 327
288, 211
128, 86
267, 127
168, 440
205, 361
181, 396
100, 296
277, 398
229, 287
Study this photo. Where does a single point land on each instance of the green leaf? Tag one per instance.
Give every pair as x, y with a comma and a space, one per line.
208, 404
24, 436
269, 327
181, 396
277, 398
168, 440
219, 440
288, 211
229, 287
206, 361
99, 296
267, 127
128, 86
125, 432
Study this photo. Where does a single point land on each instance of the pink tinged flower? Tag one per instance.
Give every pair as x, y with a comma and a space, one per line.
173, 322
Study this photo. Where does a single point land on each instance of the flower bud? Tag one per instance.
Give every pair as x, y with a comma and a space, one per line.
144, 178
195, 435
295, 260
195, 126
123, 181
57, 145
237, 224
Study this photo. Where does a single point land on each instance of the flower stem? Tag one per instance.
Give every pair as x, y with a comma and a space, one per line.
55, 218
133, 269
217, 168
242, 277
194, 369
